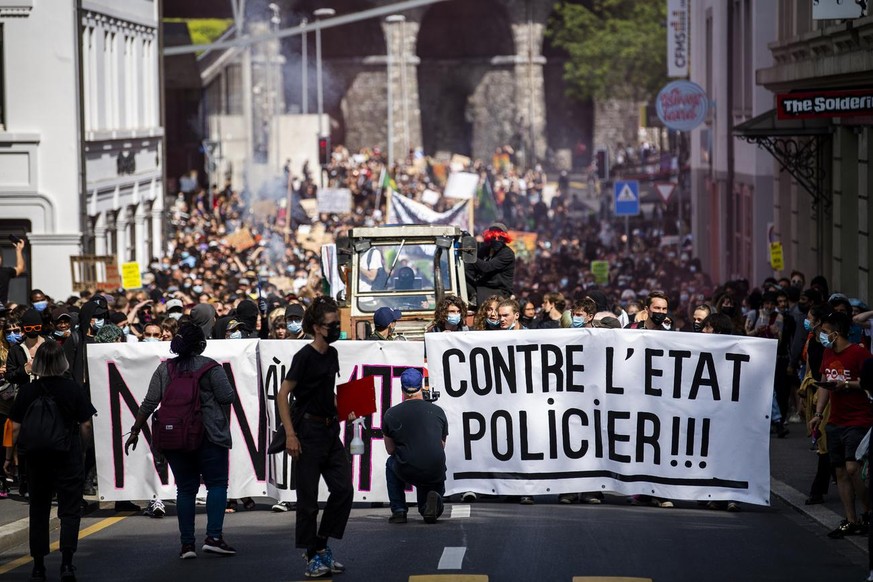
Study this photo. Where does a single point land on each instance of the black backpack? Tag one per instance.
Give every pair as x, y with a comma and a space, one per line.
44, 427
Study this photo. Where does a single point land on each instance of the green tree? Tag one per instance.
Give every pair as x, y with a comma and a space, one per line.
617, 48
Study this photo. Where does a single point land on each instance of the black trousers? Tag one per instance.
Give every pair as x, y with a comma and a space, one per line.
322, 455
61, 473
823, 474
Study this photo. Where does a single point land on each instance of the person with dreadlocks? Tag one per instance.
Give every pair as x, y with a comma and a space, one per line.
494, 269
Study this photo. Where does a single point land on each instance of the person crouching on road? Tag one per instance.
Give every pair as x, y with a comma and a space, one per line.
210, 461
53, 471
415, 434
312, 439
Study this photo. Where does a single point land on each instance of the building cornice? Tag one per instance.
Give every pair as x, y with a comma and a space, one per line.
15, 8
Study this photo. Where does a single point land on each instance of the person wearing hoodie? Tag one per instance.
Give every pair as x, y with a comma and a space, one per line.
247, 313
203, 316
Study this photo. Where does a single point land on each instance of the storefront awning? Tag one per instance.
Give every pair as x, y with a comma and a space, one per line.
801, 146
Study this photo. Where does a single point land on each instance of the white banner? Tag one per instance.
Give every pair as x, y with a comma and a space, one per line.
678, 41
674, 415
120, 374
357, 359
403, 210
461, 185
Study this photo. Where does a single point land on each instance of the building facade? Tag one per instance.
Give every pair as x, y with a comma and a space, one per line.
81, 145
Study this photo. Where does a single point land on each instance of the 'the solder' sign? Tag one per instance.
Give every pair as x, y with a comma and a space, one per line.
812, 104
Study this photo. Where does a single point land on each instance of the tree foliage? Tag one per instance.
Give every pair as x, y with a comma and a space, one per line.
617, 48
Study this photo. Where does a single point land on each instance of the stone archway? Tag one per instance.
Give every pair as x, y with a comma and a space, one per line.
466, 82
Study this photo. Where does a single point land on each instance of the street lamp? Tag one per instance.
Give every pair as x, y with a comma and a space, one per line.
393, 19
305, 69
319, 14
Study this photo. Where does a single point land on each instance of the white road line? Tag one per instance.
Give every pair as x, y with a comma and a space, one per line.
452, 558
460, 511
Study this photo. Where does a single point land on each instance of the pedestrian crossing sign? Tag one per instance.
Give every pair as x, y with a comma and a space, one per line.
627, 197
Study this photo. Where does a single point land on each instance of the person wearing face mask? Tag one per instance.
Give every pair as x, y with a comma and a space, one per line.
40, 303
493, 273
701, 312
851, 417
294, 322
151, 333
811, 357
384, 321
655, 315
175, 309
528, 314
486, 316
312, 438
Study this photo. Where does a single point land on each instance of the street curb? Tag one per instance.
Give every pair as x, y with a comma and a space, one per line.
818, 513
17, 533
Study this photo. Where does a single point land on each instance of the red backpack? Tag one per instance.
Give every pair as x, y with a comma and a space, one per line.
177, 425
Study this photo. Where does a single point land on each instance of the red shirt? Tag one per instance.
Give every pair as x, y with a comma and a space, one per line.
848, 407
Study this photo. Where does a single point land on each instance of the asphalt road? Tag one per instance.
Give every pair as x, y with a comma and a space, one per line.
502, 541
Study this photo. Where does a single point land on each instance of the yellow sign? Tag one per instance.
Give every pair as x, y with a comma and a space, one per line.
600, 270
776, 259
130, 276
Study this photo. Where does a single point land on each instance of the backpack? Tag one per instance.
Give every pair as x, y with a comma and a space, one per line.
44, 427
177, 425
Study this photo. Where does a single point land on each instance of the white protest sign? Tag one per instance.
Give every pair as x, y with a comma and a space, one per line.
334, 201
120, 374
461, 185
675, 415
431, 197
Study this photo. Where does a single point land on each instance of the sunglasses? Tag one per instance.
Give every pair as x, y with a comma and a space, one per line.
32, 328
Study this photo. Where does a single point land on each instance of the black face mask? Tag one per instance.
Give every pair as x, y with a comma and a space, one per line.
697, 326
32, 334
497, 245
333, 332
658, 318
526, 321
729, 311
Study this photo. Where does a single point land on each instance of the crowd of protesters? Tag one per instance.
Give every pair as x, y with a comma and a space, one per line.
240, 265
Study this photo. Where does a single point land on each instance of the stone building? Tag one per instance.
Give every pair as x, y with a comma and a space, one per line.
467, 77
81, 140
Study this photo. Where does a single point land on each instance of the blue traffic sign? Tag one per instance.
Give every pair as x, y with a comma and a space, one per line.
626, 194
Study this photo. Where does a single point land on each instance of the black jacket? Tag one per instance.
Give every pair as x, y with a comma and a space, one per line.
493, 274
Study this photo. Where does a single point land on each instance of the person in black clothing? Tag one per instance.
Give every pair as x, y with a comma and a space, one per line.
9, 273
494, 270
415, 434
246, 312
54, 472
312, 438
811, 355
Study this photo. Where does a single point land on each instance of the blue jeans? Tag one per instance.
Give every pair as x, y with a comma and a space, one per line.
397, 489
210, 461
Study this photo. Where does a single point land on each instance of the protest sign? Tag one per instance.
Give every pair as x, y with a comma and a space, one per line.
461, 185
600, 270
334, 200
240, 240
120, 374
675, 415
131, 278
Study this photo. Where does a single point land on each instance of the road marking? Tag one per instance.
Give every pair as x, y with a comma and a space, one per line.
449, 578
452, 558
100, 525
460, 511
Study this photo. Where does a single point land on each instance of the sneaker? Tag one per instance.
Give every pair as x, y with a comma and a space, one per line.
232, 506
68, 573
592, 498
469, 497
665, 503
794, 419
326, 556
846, 528
568, 498
397, 517
282, 506
315, 567
199, 501
155, 509
733, 507
217, 546
526, 500
188, 552
431, 507
38, 574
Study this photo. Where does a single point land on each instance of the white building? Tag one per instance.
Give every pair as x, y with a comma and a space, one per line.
732, 180
81, 141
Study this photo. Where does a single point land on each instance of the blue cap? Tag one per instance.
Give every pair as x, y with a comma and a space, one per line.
411, 380
385, 316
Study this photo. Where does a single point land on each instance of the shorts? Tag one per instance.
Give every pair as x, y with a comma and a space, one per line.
843, 441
